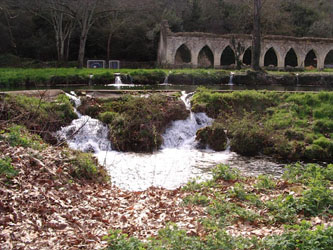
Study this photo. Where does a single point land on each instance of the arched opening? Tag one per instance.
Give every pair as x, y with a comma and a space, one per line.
271, 58
311, 59
247, 58
206, 58
291, 59
228, 57
183, 55
329, 60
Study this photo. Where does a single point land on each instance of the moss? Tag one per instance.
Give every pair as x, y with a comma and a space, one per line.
136, 124
85, 166
287, 126
213, 136
37, 115
315, 152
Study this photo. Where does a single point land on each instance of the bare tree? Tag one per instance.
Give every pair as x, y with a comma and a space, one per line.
256, 36
54, 13
86, 13
6, 10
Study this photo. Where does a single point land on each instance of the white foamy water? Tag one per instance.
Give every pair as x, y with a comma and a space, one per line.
86, 134
174, 165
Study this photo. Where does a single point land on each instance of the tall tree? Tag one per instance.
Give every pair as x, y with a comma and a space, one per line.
86, 13
256, 35
53, 12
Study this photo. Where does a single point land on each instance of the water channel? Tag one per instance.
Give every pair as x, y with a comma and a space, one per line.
173, 165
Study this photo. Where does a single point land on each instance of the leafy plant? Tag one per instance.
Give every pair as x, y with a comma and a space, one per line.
224, 172
301, 237
19, 136
6, 168
265, 182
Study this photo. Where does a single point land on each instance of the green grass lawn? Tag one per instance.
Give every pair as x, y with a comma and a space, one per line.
18, 76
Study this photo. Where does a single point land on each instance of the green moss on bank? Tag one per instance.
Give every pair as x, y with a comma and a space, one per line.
288, 126
136, 123
37, 115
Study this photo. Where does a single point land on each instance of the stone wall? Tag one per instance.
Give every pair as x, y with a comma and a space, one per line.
170, 44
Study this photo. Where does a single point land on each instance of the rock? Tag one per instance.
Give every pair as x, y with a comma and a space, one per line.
212, 136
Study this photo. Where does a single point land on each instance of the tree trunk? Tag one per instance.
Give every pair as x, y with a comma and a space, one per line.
108, 49
83, 39
256, 36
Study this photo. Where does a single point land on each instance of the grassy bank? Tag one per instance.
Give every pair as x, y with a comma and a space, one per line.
288, 126
250, 213
13, 77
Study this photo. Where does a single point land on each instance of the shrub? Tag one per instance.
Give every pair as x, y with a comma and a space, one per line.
119, 241
283, 209
19, 136
84, 166
316, 200
224, 172
301, 237
107, 117
315, 152
197, 199
265, 182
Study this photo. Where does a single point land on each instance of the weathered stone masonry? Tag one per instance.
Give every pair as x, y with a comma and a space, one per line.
195, 49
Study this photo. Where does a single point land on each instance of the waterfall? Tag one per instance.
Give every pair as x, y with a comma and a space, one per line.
182, 133
85, 133
117, 80
231, 78
177, 162
166, 80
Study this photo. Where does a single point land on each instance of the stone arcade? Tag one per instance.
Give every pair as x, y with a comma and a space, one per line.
195, 49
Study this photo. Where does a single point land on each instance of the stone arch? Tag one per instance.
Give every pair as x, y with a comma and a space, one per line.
206, 57
271, 58
247, 57
329, 60
183, 55
311, 59
228, 57
291, 58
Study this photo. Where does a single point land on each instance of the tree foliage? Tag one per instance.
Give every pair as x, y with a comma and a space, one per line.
129, 30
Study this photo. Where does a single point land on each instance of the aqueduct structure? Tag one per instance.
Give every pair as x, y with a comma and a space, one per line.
195, 49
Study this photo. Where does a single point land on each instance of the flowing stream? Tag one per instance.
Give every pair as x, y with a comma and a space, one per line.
175, 164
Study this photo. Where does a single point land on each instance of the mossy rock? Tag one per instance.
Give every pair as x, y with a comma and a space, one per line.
315, 152
213, 136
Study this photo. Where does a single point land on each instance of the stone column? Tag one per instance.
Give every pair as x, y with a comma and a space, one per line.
217, 60
320, 62
301, 60
280, 60
194, 58
262, 59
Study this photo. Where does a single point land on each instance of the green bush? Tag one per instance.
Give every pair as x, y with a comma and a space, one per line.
265, 182
197, 199
301, 237
316, 200
6, 168
119, 241
84, 166
224, 172
107, 117
283, 209
39, 115
309, 173
19, 136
